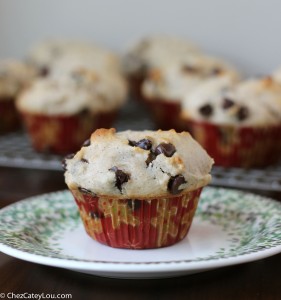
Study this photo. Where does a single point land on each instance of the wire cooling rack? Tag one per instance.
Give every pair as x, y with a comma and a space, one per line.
16, 151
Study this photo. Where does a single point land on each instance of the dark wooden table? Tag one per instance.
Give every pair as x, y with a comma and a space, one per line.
255, 280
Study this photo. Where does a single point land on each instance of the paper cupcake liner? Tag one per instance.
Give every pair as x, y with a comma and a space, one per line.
63, 134
232, 146
137, 224
9, 118
166, 114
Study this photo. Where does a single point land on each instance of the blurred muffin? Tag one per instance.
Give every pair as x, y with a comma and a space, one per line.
14, 76
164, 87
47, 55
150, 53
138, 189
89, 61
239, 125
61, 112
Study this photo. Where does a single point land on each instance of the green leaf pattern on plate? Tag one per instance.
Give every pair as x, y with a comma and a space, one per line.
252, 223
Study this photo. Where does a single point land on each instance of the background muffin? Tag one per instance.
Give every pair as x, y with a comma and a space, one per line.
14, 76
239, 125
47, 55
61, 112
138, 189
152, 52
165, 87
162, 69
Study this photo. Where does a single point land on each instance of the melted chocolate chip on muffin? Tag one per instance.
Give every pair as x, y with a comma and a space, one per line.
227, 103
144, 144
174, 183
206, 110
243, 113
150, 158
167, 149
121, 177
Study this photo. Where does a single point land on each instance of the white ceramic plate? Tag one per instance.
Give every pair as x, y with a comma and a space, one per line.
230, 227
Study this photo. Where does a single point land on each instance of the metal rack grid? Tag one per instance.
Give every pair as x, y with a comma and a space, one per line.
16, 151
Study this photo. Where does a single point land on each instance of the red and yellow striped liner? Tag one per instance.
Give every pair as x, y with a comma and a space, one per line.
233, 146
63, 134
137, 224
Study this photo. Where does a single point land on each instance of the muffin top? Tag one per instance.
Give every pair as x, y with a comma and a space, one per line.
132, 164
47, 54
154, 51
92, 61
172, 81
14, 75
81, 90
254, 102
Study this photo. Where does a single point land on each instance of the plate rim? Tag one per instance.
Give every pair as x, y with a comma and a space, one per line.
135, 267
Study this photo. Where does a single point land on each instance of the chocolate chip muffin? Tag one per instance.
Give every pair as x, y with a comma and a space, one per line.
165, 87
14, 77
152, 52
138, 189
60, 112
238, 124
56, 55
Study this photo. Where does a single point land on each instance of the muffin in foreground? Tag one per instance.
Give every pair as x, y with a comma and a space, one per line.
138, 190
239, 125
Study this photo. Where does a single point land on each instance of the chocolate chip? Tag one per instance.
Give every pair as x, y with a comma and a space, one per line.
166, 148
189, 69
216, 71
206, 110
144, 144
63, 163
134, 204
174, 183
44, 71
87, 143
132, 143
85, 160
242, 113
227, 103
150, 158
85, 191
121, 177
84, 112
96, 214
